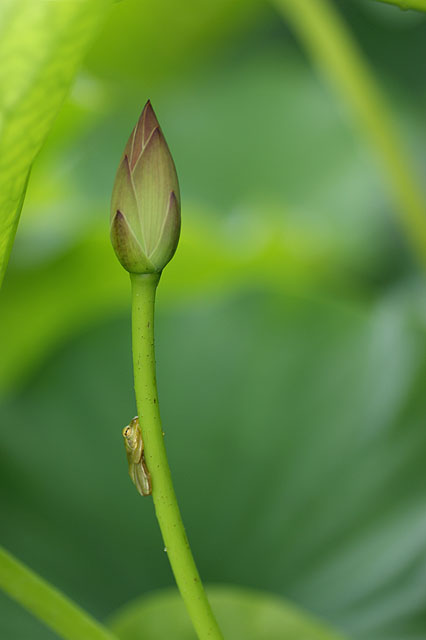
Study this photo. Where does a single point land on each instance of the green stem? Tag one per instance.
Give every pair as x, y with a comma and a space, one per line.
166, 506
47, 603
331, 45
419, 5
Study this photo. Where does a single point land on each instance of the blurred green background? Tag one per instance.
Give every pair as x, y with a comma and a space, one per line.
291, 326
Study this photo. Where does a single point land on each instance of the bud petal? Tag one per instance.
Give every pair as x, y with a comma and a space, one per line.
154, 177
169, 237
127, 247
124, 199
145, 206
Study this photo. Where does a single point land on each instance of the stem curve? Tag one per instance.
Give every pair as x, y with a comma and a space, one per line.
166, 507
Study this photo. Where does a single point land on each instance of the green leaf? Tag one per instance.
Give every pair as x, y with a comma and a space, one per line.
243, 614
41, 47
295, 431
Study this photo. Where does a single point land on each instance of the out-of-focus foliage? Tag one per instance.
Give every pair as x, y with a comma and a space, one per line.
244, 216
418, 5
334, 50
291, 328
297, 454
41, 46
243, 614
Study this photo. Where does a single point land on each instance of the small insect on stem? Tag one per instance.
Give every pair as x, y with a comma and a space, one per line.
138, 471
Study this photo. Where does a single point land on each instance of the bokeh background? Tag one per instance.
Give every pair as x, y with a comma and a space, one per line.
291, 324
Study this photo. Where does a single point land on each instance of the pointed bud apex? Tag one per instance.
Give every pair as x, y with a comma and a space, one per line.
145, 204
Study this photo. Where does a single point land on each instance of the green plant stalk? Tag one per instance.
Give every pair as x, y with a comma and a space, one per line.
166, 507
326, 37
419, 5
47, 603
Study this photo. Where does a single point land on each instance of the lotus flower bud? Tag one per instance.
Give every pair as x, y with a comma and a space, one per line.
145, 204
